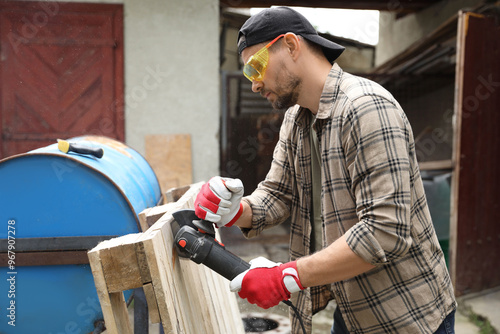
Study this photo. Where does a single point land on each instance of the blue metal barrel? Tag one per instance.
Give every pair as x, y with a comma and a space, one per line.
55, 206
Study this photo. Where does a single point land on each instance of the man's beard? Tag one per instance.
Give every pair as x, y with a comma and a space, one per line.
287, 100
287, 94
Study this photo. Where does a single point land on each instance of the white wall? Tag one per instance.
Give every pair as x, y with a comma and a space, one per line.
178, 40
172, 75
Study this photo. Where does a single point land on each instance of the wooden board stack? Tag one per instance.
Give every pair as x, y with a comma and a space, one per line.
184, 296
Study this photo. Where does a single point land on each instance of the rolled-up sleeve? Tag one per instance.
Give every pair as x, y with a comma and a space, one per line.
377, 152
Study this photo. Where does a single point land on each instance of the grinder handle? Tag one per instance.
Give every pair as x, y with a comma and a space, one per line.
224, 262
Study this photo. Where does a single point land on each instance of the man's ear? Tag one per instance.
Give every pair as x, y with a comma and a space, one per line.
293, 44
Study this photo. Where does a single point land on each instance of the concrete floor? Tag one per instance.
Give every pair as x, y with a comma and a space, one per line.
485, 304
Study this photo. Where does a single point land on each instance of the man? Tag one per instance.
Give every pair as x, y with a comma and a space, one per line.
345, 170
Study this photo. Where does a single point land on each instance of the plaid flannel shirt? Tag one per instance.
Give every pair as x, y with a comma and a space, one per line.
373, 193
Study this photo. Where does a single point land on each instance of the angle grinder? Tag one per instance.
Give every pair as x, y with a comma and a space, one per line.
195, 239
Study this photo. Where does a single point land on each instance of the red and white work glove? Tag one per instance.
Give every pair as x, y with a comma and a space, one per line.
219, 201
267, 283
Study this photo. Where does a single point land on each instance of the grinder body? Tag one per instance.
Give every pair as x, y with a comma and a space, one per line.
195, 239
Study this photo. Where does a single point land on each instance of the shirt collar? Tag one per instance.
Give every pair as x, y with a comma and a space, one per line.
302, 119
330, 92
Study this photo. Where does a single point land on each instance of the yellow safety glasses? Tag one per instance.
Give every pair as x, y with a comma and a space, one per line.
255, 67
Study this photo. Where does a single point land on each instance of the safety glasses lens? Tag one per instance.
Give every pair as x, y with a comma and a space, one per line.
256, 66
250, 72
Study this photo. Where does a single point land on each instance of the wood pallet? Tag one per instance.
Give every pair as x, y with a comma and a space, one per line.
184, 296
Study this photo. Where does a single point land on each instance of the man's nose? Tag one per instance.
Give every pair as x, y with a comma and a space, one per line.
256, 86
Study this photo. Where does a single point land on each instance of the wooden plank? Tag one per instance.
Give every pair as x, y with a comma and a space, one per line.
216, 304
228, 311
119, 263
154, 313
196, 295
166, 270
113, 305
143, 220
170, 157
436, 165
142, 263
456, 149
151, 215
175, 194
168, 284
120, 314
232, 305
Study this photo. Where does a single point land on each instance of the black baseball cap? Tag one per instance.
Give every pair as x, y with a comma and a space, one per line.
271, 22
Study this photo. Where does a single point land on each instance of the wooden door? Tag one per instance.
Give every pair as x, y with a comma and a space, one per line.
475, 225
61, 73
